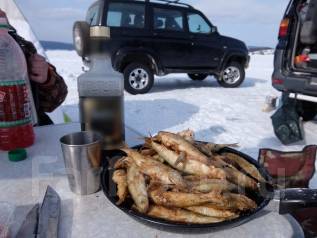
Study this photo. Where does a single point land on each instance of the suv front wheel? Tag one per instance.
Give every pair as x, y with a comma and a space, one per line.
232, 76
138, 78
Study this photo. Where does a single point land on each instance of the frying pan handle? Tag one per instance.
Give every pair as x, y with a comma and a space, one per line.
294, 199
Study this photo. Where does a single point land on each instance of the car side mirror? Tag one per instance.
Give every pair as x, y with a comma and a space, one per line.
214, 29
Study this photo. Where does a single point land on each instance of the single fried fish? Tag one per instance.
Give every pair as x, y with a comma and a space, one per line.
181, 215
120, 178
137, 188
156, 170
212, 211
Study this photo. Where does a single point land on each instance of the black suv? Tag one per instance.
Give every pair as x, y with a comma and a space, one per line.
295, 63
161, 37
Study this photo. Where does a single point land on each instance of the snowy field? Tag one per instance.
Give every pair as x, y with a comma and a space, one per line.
215, 114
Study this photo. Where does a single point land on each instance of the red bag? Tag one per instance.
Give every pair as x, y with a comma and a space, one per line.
293, 170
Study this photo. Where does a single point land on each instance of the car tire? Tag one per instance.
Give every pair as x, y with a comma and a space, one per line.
138, 78
232, 75
307, 110
198, 77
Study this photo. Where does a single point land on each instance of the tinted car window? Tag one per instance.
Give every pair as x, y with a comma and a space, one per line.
92, 15
197, 24
126, 15
170, 20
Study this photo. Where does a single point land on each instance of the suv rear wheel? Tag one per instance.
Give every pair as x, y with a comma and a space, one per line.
138, 78
199, 77
232, 76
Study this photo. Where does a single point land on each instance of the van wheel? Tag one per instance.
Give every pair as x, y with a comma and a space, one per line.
198, 77
232, 76
307, 110
138, 78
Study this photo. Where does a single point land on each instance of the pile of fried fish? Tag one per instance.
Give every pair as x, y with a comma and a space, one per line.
175, 178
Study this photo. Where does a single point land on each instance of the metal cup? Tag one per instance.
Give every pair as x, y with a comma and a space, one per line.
82, 157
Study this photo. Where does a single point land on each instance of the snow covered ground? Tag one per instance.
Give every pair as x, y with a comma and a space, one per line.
214, 113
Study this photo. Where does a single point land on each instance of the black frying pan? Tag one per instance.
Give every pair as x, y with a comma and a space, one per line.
282, 201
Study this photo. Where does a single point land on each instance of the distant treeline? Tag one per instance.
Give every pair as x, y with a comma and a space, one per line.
52, 45
258, 48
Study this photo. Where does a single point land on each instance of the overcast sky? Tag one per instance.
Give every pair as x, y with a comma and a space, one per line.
254, 21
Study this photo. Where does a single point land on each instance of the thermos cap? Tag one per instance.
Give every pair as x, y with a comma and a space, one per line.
17, 155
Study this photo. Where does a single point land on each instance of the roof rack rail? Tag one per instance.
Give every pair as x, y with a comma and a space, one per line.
169, 2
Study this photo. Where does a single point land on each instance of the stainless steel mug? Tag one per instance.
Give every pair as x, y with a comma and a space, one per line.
82, 157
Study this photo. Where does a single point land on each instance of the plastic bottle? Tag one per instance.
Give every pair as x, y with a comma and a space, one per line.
16, 127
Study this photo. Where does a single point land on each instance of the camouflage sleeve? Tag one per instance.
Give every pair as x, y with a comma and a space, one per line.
53, 92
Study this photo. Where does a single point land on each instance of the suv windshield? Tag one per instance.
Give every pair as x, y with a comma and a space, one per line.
126, 15
197, 24
170, 20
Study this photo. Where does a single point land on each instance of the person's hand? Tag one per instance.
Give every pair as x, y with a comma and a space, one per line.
38, 71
